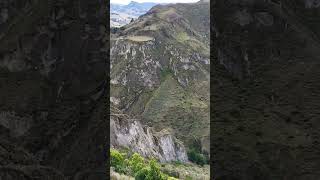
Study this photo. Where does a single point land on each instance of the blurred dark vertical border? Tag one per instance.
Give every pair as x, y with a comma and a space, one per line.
108, 92
265, 89
54, 89
212, 57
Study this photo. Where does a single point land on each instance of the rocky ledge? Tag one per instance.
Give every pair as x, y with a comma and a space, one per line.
131, 134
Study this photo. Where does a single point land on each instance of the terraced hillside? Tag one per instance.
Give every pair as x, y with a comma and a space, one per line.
160, 70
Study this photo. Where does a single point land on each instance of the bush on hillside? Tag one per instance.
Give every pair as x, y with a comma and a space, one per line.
117, 160
195, 154
142, 173
136, 163
196, 157
155, 172
137, 166
151, 172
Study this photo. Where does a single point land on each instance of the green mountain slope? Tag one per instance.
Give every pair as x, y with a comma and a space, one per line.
160, 70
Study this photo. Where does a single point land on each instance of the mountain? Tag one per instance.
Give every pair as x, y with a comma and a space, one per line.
120, 19
123, 14
160, 71
266, 90
133, 8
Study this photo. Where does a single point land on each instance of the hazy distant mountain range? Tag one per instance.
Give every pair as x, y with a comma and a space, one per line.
123, 14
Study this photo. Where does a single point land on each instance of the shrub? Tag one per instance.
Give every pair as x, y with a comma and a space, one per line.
117, 161
151, 172
136, 166
196, 144
195, 154
196, 157
155, 172
142, 173
136, 163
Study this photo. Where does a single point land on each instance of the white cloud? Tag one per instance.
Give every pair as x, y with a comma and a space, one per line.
156, 1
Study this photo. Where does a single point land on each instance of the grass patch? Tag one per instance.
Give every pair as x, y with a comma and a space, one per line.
164, 73
187, 171
165, 14
182, 37
140, 38
172, 106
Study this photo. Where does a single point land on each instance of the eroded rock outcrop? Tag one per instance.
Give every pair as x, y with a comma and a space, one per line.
131, 134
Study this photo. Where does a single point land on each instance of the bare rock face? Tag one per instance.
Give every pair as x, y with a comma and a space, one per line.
127, 133
52, 82
266, 90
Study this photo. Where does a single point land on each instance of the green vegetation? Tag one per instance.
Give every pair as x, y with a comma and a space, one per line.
137, 166
195, 154
118, 161
192, 42
178, 95
172, 106
182, 36
164, 73
165, 14
136, 163
128, 164
196, 157
187, 171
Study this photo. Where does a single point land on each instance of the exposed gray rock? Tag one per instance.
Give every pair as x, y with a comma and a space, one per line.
128, 133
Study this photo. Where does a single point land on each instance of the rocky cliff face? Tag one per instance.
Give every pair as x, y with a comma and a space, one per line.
52, 82
160, 70
265, 100
129, 133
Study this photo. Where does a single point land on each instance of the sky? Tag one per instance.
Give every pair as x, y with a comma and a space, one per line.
156, 1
